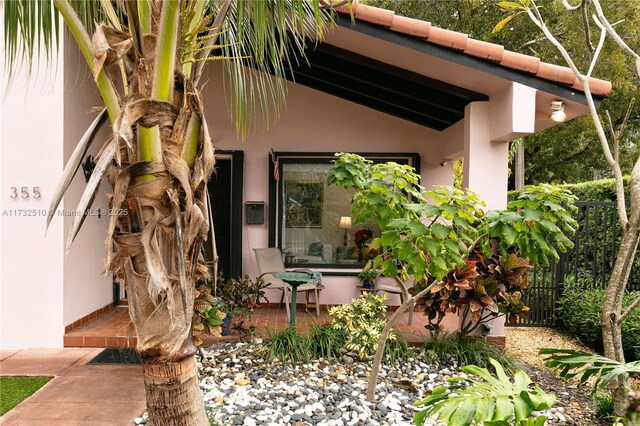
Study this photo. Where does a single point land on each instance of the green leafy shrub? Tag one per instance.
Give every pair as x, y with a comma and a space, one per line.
464, 350
362, 320
580, 313
596, 190
494, 401
239, 298
471, 261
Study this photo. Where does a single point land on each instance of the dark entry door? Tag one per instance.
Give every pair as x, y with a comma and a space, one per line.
219, 186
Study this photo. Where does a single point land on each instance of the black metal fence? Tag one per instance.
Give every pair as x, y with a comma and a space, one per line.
589, 263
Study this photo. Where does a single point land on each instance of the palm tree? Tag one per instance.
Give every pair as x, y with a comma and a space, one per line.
147, 57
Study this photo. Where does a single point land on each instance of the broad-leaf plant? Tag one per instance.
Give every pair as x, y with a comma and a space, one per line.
462, 258
486, 399
472, 261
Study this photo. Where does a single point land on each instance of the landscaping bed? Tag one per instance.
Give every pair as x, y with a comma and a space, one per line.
243, 389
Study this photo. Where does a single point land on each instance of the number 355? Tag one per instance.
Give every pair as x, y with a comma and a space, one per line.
24, 192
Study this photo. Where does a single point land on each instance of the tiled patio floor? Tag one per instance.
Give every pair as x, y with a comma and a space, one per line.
112, 329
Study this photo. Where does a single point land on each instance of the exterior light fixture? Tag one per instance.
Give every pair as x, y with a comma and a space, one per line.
345, 223
557, 112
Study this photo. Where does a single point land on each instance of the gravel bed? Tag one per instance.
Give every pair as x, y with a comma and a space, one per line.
248, 391
244, 390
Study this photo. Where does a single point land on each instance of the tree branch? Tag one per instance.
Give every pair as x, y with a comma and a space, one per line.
535, 16
377, 359
629, 310
585, 22
603, 20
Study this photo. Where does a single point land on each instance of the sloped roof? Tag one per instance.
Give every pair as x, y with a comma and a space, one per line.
460, 42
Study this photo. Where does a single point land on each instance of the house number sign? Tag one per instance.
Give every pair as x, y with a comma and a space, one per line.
24, 192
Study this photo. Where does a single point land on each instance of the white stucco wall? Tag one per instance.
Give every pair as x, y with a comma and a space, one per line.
86, 289
32, 265
313, 121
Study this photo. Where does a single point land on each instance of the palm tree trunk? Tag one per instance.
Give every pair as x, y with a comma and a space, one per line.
176, 382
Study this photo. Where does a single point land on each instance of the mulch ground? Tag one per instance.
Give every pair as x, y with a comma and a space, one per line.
523, 344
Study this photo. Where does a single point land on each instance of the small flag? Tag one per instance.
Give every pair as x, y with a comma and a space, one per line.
276, 172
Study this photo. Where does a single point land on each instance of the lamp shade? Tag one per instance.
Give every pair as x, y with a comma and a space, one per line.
345, 222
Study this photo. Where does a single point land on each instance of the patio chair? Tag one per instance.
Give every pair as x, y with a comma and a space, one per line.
269, 262
395, 289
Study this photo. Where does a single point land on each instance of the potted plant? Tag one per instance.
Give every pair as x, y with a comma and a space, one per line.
207, 317
368, 277
238, 299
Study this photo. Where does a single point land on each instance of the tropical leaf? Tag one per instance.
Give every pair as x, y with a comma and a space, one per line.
492, 400
572, 363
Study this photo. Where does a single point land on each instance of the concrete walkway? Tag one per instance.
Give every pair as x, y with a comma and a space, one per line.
78, 394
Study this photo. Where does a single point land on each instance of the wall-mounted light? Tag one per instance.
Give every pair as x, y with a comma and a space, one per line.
557, 112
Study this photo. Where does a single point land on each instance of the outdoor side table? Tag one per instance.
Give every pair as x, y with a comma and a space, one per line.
294, 279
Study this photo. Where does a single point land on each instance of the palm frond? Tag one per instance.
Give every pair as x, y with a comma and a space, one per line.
30, 29
73, 164
571, 363
257, 42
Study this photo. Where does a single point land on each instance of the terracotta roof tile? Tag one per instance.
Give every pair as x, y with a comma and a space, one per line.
447, 38
482, 49
520, 62
374, 15
461, 42
557, 73
414, 27
595, 84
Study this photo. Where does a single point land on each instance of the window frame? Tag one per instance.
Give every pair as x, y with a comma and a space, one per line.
276, 219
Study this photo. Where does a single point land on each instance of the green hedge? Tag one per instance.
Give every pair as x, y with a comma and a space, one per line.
579, 313
595, 190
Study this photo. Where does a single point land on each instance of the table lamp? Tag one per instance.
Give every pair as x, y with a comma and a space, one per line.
345, 223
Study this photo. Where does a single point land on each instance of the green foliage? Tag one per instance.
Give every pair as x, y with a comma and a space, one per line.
362, 321
287, 345
17, 389
397, 350
570, 152
580, 313
492, 400
326, 341
571, 363
595, 190
465, 350
323, 341
443, 238
240, 298
602, 403
211, 415
207, 318
535, 223
367, 275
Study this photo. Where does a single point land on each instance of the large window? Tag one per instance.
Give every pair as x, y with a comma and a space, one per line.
311, 221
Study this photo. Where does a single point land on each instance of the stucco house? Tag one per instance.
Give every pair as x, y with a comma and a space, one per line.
383, 85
